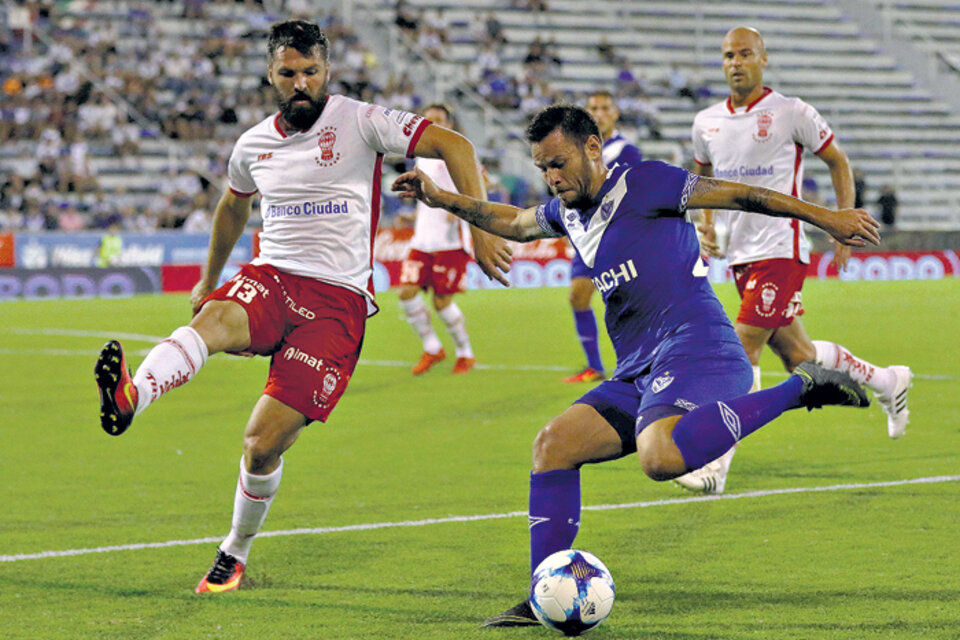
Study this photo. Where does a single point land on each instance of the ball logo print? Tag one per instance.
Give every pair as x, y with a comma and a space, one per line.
571, 592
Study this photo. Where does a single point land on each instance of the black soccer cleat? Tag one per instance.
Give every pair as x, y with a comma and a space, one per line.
822, 387
118, 394
518, 616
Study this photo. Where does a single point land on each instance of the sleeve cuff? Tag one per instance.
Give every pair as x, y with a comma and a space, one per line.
825, 144
242, 194
415, 138
701, 162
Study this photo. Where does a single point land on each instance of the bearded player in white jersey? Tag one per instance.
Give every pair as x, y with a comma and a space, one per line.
437, 260
757, 136
305, 300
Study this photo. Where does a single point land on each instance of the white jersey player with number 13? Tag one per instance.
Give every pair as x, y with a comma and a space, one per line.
305, 300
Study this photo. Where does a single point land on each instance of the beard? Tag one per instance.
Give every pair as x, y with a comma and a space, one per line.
302, 116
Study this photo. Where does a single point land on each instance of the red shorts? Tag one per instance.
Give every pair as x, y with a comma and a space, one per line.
443, 271
770, 292
312, 330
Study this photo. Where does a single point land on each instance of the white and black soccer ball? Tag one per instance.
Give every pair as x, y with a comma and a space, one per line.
571, 592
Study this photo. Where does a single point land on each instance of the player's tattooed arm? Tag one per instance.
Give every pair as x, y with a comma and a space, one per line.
853, 227
502, 220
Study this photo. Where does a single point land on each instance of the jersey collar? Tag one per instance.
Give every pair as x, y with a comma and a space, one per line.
766, 91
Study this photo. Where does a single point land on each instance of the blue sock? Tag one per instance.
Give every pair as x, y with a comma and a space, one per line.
554, 512
707, 433
586, 325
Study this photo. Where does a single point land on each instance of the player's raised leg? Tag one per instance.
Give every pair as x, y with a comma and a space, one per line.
890, 384
670, 445
272, 429
579, 435
220, 325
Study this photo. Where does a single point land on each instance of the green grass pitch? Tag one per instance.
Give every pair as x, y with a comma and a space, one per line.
863, 563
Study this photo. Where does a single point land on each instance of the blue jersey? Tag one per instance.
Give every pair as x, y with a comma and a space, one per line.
618, 150
643, 257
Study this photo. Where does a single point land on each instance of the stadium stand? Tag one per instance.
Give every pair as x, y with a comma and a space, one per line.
124, 111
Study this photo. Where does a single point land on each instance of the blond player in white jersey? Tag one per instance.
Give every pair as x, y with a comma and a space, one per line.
305, 300
437, 260
758, 136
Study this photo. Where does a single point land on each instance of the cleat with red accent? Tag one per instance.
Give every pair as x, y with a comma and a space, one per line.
118, 394
462, 365
225, 574
427, 360
587, 375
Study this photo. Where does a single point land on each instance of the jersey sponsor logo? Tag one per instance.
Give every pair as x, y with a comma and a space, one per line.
685, 404
743, 171
295, 354
764, 122
321, 208
409, 128
661, 382
609, 279
326, 139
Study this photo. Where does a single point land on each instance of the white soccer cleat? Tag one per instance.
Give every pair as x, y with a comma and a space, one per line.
895, 404
710, 478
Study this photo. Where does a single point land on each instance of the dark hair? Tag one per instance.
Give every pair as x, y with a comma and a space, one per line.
301, 35
602, 93
573, 121
442, 106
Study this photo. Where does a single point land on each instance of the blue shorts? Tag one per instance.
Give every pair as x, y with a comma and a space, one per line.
577, 268
673, 386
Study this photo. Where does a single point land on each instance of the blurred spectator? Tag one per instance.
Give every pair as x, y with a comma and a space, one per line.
888, 204
859, 188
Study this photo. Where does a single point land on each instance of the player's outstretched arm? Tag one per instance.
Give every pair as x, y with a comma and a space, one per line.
492, 253
502, 220
708, 232
229, 220
852, 227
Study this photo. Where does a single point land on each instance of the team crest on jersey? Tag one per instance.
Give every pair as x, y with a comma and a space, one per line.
606, 210
331, 380
768, 295
326, 139
764, 122
661, 382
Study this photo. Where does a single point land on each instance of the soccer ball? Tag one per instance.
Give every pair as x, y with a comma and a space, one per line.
571, 592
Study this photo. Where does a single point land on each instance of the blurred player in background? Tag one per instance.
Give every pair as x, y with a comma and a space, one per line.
757, 136
305, 300
680, 394
437, 261
616, 150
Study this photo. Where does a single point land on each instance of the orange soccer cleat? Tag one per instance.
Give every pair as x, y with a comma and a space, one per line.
118, 394
225, 574
427, 360
462, 365
587, 375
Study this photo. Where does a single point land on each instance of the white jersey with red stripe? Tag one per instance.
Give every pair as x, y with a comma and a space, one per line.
761, 144
436, 229
320, 188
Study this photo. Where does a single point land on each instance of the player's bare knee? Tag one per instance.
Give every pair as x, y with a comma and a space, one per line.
261, 453
550, 451
407, 292
657, 457
441, 302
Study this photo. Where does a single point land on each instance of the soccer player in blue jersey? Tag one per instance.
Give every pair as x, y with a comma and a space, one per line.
616, 150
680, 394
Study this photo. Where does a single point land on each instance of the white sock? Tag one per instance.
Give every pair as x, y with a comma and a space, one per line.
834, 356
457, 326
250, 506
419, 319
757, 385
168, 365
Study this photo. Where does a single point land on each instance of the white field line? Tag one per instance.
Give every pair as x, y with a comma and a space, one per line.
476, 518
373, 363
